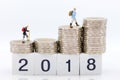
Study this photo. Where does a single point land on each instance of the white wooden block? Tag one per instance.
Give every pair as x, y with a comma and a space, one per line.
45, 64
90, 63
23, 64
67, 64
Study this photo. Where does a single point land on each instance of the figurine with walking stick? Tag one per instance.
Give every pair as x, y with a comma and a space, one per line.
26, 33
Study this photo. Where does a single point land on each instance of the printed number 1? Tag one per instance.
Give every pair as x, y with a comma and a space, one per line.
68, 62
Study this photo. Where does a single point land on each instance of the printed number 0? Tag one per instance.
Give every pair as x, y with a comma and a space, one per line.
25, 63
91, 62
42, 65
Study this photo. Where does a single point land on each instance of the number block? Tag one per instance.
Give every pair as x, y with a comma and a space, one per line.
67, 64
90, 63
23, 64
45, 64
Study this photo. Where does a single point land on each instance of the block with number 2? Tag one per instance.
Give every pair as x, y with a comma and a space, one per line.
23, 64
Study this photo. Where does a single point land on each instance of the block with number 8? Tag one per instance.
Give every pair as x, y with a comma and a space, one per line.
90, 63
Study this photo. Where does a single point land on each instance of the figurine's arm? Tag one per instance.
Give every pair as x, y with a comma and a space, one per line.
27, 28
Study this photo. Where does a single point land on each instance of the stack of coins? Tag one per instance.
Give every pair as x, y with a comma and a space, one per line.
45, 45
94, 35
69, 39
17, 46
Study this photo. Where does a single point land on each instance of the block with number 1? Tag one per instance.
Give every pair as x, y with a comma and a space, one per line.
67, 64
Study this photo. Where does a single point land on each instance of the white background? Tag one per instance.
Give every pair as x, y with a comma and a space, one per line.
44, 18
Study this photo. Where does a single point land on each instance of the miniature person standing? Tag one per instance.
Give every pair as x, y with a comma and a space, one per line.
25, 30
73, 16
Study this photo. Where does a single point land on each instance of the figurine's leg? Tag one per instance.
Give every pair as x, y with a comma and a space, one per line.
71, 24
23, 38
76, 23
27, 37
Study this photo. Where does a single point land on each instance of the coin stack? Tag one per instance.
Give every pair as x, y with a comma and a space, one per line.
17, 46
69, 39
94, 35
45, 45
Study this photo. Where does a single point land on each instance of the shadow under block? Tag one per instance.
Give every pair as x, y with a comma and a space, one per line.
67, 64
23, 64
90, 64
45, 64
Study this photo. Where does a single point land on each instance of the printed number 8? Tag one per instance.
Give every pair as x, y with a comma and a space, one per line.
91, 62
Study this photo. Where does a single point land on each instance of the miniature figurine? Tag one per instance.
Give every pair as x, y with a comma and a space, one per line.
73, 16
25, 30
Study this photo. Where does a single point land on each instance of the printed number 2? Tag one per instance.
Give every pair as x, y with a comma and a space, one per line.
68, 62
25, 63
91, 63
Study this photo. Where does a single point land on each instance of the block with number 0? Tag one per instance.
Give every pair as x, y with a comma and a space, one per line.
67, 64
90, 63
23, 64
45, 64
